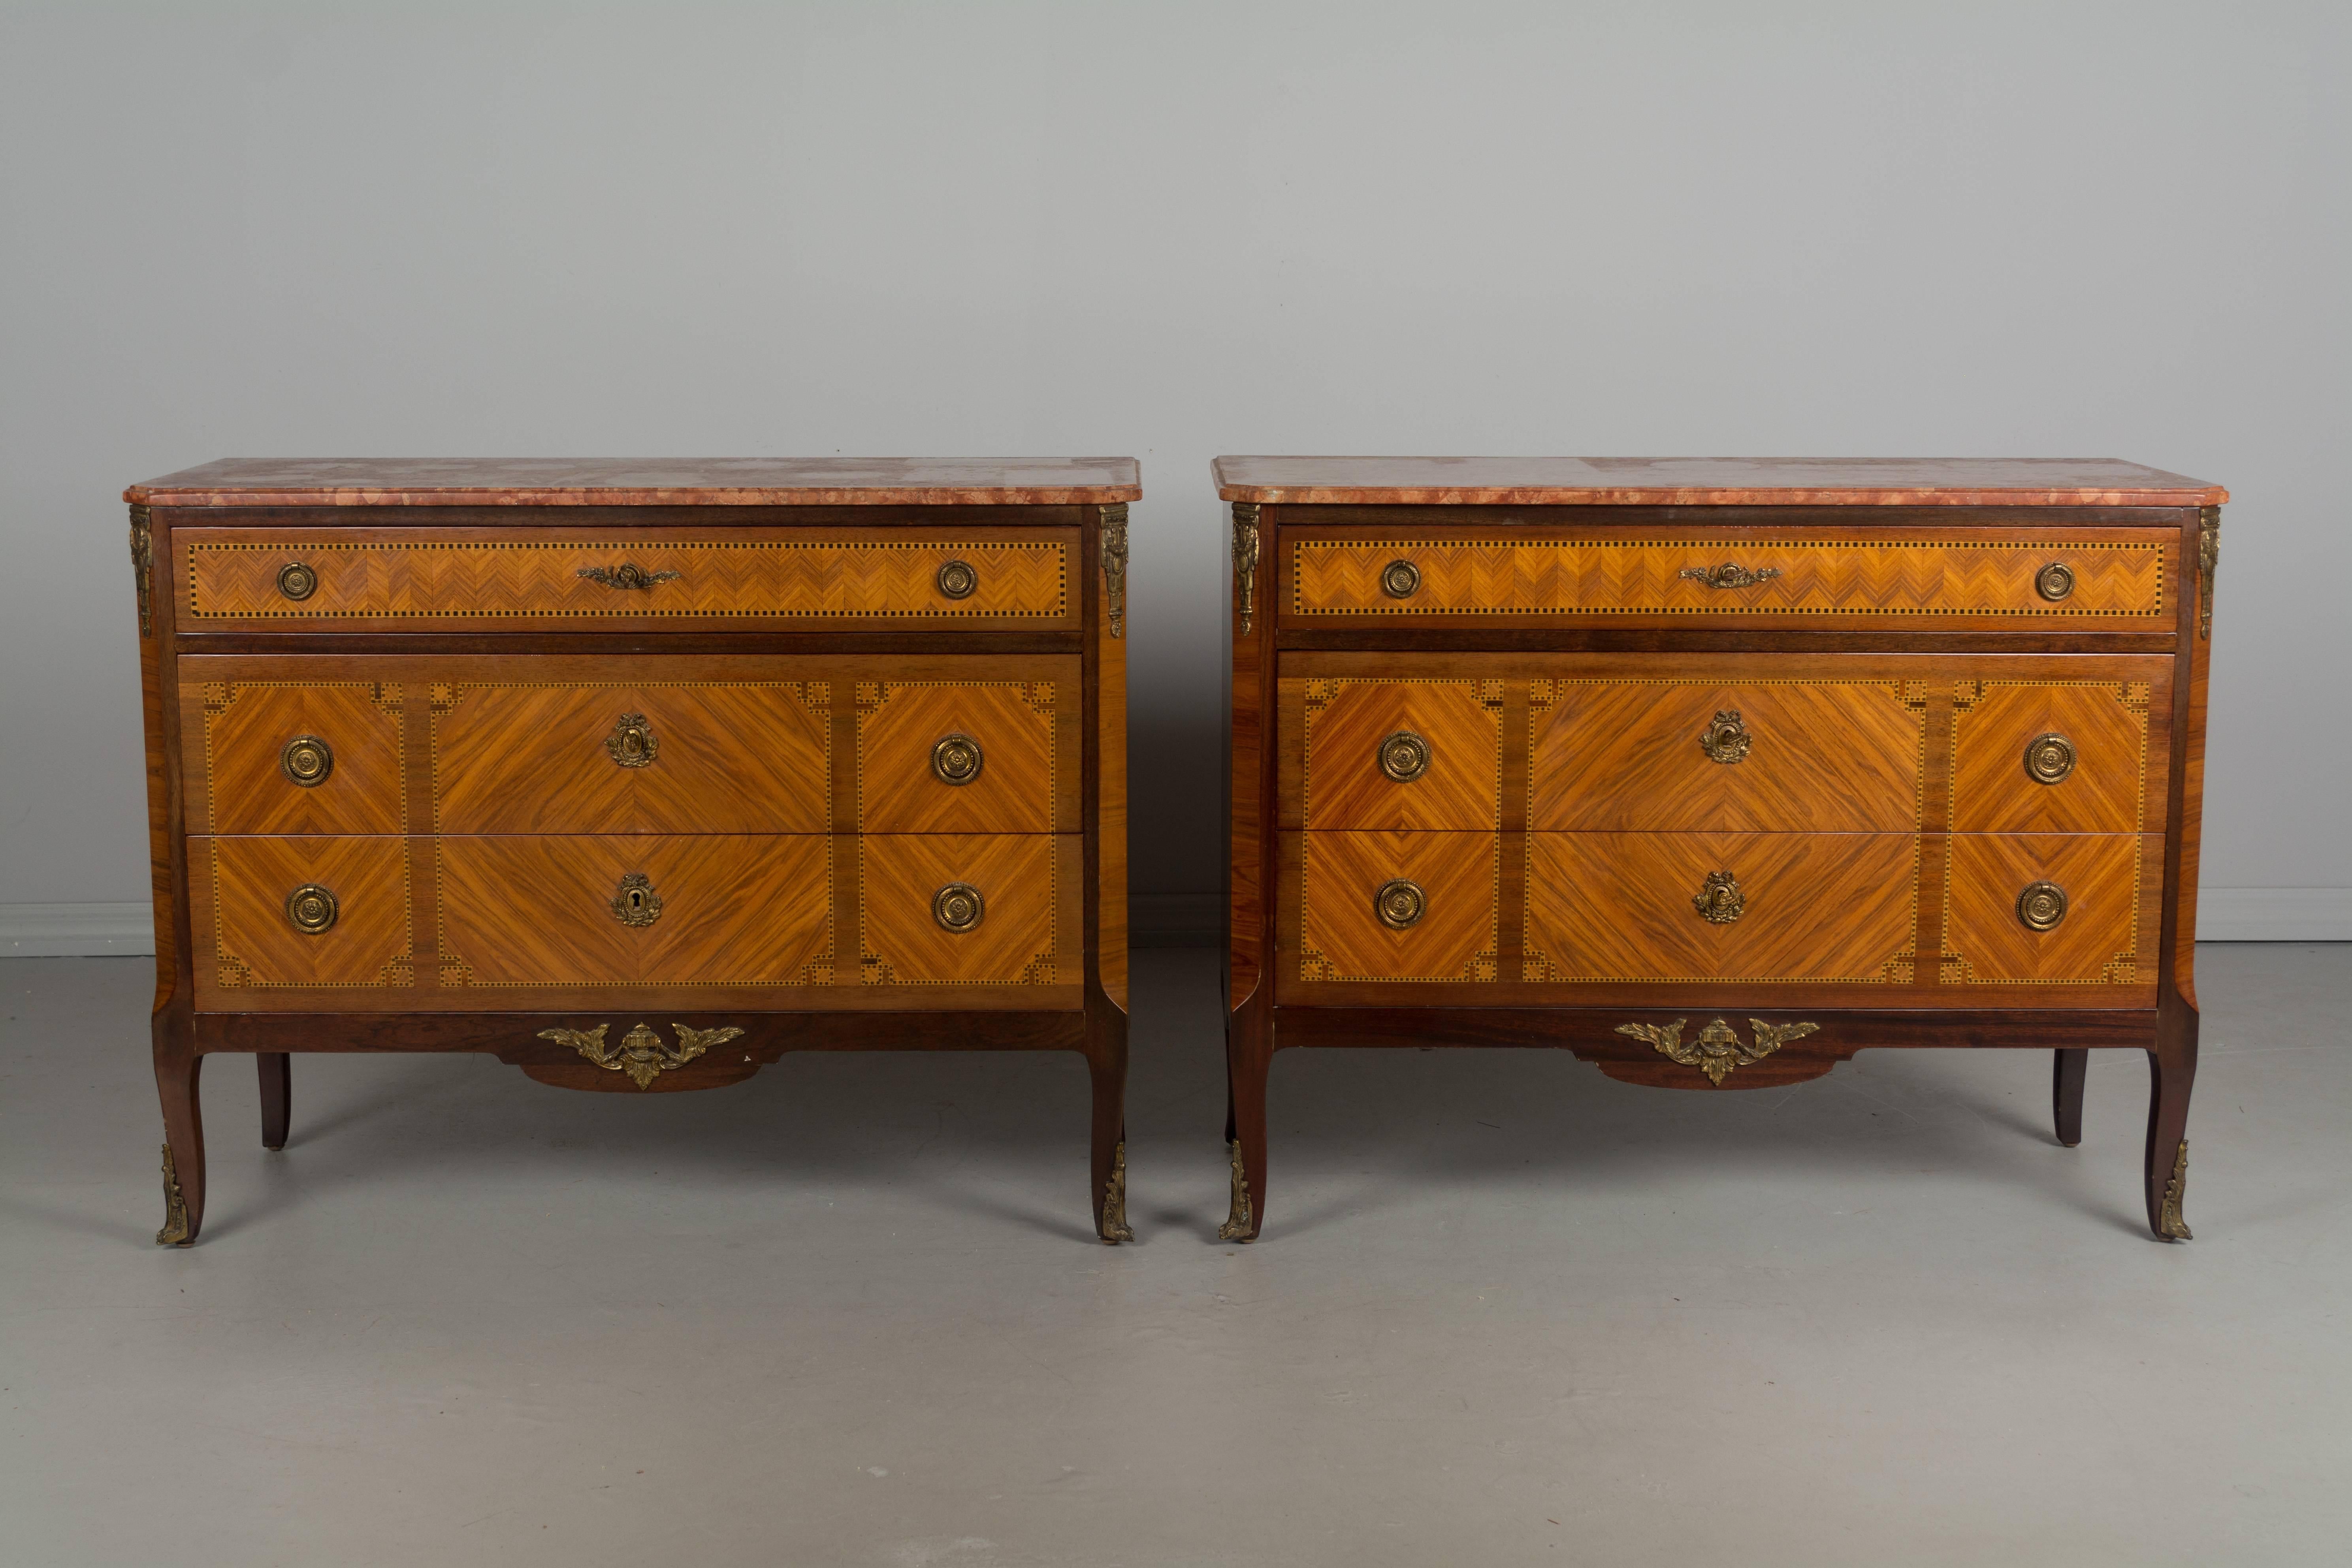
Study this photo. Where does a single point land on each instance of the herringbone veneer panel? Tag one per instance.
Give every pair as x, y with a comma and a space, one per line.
256, 946
1346, 723
244, 727
2117, 785
899, 723
1341, 935
1014, 944
1984, 942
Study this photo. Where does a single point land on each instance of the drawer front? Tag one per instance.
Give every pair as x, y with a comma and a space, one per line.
2108, 579
491, 580
1755, 756
1419, 907
1998, 927
2058, 756
631, 757
297, 757
1791, 907
1396, 754
968, 909
263, 925
968, 757
700, 910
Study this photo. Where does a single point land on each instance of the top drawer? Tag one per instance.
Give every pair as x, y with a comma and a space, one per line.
2113, 579
508, 579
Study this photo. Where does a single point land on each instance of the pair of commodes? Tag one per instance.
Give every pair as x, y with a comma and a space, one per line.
639, 775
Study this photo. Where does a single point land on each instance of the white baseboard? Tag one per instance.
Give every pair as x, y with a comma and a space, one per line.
1188, 919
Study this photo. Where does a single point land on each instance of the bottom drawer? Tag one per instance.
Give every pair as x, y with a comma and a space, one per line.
2053, 908
302, 913
967, 909
1406, 906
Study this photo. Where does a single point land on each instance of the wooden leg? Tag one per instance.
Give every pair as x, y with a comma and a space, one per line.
276, 1097
1247, 1056
1106, 1068
2066, 1074
2172, 1069
176, 1066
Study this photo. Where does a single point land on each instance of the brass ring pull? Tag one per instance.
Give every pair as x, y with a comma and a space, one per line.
2042, 906
1400, 903
2049, 758
2054, 581
634, 902
957, 760
1399, 579
958, 580
310, 909
632, 744
297, 581
1404, 756
1720, 900
958, 907
627, 574
1726, 739
1730, 574
307, 760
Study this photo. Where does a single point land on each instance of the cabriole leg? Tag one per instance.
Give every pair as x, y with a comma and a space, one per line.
1107, 1069
176, 1066
2172, 1069
1247, 1058
2067, 1072
276, 1097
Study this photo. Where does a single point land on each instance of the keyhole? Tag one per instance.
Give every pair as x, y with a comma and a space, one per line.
636, 899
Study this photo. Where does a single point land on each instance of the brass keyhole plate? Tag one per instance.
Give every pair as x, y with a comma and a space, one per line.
958, 580
310, 909
1399, 579
2042, 906
307, 760
1726, 739
297, 581
1400, 903
1404, 756
632, 744
958, 907
2049, 758
2054, 581
957, 760
634, 902
1720, 900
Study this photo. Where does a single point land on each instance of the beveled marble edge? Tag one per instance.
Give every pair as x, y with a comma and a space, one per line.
903, 495
1373, 495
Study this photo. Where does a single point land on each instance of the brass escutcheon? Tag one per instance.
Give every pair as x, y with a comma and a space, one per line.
1720, 900
1404, 756
310, 909
2042, 906
958, 580
2049, 758
957, 760
1399, 579
632, 744
297, 581
1726, 739
307, 760
635, 903
1400, 903
2054, 581
958, 907
627, 574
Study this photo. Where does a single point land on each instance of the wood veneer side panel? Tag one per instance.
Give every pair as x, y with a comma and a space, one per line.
2185, 805
1106, 822
156, 726
1248, 789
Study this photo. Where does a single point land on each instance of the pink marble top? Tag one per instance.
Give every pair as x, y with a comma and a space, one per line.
1707, 481
646, 481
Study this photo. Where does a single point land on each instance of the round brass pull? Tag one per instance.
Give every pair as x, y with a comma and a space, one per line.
1399, 579
2049, 758
957, 760
307, 760
2042, 906
1400, 903
297, 581
958, 907
1720, 900
310, 909
1726, 739
634, 902
632, 744
958, 580
2054, 581
1404, 756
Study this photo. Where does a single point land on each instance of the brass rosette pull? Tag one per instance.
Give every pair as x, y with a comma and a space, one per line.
1405, 757
2042, 906
1726, 739
957, 760
627, 576
958, 907
1400, 904
632, 744
2049, 758
1399, 579
306, 761
297, 581
958, 580
2054, 581
1729, 575
1720, 900
634, 902
312, 909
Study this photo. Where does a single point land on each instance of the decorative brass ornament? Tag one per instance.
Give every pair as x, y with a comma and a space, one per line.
958, 907
632, 744
957, 580
2208, 556
307, 760
312, 909
297, 581
628, 575
176, 1206
142, 567
2042, 906
1400, 903
1246, 562
1720, 900
1399, 579
2169, 1223
2054, 581
957, 760
634, 902
1237, 1213
1114, 559
1404, 756
2049, 758
1730, 574
641, 1054
1717, 1052
1726, 739
1115, 1228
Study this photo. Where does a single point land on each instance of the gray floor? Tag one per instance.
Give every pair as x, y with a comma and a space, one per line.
1506, 1312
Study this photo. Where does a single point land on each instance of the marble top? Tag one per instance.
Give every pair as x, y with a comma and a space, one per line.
1707, 481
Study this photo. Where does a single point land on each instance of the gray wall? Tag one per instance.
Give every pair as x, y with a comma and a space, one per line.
1172, 231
